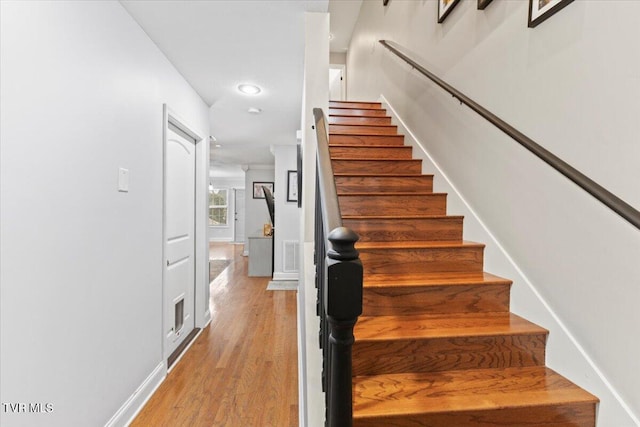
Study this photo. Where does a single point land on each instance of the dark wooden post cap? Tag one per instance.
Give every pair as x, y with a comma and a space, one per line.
343, 242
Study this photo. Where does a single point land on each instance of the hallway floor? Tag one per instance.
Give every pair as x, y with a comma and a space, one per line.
242, 369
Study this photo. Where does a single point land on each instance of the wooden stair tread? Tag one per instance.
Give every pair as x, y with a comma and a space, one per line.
420, 326
395, 175
364, 159
369, 116
364, 175
384, 125
333, 133
391, 217
380, 146
434, 279
464, 390
418, 244
393, 193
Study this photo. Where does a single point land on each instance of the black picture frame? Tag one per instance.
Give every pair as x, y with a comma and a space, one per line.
299, 166
257, 189
292, 186
482, 4
444, 9
541, 10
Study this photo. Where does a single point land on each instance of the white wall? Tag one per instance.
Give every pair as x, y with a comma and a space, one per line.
256, 211
226, 233
81, 276
315, 94
571, 84
337, 58
287, 213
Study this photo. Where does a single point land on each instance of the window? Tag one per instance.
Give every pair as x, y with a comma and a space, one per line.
218, 207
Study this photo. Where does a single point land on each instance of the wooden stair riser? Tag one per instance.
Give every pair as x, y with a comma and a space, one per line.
384, 184
364, 129
415, 260
393, 204
407, 300
444, 354
381, 167
351, 139
350, 104
359, 120
406, 229
567, 415
355, 112
373, 152
514, 397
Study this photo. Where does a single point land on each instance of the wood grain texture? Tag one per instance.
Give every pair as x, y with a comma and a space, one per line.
431, 343
355, 104
242, 370
358, 112
358, 120
436, 345
346, 184
364, 129
527, 396
370, 152
415, 257
381, 166
435, 293
405, 228
352, 139
393, 204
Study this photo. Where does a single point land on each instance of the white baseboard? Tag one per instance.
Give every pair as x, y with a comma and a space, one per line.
128, 411
278, 275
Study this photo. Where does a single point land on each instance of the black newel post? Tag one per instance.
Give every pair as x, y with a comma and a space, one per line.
343, 305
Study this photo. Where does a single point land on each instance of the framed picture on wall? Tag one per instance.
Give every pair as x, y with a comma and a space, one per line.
444, 8
292, 186
257, 189
541, 10
299, 175
483, 3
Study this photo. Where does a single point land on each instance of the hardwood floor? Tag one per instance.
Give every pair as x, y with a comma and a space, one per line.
242, 369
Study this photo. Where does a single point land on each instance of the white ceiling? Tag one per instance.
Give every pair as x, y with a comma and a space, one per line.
218, 44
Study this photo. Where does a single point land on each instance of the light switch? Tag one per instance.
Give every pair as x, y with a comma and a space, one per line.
123, 180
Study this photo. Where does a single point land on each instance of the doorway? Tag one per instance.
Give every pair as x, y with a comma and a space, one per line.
238, 206
185, 244
179, 234
337, 82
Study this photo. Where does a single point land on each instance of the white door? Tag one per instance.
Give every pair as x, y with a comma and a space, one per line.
336, 82
179, 237
239, 216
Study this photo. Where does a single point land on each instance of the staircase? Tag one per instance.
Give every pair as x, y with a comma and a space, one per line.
436, 344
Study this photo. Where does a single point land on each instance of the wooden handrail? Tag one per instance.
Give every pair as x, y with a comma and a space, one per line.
339, 282
609, 199
332, 218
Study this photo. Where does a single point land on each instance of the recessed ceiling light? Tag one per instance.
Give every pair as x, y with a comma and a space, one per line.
218, 145
249, 89
254, 110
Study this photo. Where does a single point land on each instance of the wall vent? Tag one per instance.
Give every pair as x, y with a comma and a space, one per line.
291, 255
